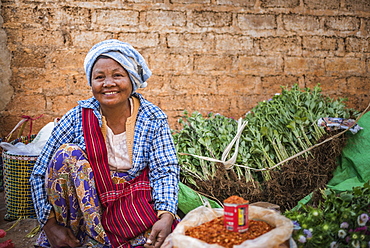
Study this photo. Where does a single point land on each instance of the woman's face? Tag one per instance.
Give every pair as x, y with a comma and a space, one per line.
111, 84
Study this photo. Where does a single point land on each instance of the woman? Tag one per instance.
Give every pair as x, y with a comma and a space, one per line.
108, 176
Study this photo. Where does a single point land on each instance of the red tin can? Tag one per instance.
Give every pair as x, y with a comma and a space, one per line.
236, 216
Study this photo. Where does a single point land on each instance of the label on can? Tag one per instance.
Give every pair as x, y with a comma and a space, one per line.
236, 217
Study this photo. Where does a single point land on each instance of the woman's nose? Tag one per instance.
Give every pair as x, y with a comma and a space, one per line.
109, 81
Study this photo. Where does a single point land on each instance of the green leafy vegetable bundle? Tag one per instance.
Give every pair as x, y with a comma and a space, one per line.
276, 129
340, 220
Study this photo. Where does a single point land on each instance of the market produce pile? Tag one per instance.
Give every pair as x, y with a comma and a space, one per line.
275, 131
217, 231
339, 220
214, 232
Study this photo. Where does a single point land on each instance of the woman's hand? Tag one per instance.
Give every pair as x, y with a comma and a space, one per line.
59, 236
160, 230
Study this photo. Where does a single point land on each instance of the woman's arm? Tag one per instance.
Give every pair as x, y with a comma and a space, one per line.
164, 169
164, 176
63, 132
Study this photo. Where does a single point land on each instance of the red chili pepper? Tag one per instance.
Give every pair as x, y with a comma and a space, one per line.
7, 244
2, 233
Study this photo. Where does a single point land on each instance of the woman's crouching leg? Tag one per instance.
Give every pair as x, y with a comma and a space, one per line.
71, 190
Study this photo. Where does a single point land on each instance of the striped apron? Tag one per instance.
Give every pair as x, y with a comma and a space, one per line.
127, 207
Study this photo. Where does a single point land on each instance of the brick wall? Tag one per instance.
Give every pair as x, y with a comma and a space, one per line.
206, 55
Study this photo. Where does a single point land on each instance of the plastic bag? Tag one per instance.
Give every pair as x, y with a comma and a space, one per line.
20, 148
280, 234
333, 123
44, 134
35, 147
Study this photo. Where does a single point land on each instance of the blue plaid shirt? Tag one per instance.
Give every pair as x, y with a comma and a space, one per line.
153, 147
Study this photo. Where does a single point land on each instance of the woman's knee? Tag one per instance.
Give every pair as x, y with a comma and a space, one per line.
65, 154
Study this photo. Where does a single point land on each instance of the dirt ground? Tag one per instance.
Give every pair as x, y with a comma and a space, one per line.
17, 233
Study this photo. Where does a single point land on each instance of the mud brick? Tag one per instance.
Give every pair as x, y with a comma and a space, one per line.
360, 5
357, 45
301, 23
86, 39
238, 85
279, 3
160, 63
343, 23
69, 15
140, 40
358, 85
189, 84
165, 18
257, 22
175, 102
213, 62
285, 45
212, 19
115, 17
345, 66
191, 41
145, 1
318, 4
299, 65
66, 59
191, 1
314, 43
272, 84
243, 3
42, 37
27, 57
237, 43
60, 105
331, 85
260, 65
26, 105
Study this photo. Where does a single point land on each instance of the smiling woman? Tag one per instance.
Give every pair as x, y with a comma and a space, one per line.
111, 86
110, 153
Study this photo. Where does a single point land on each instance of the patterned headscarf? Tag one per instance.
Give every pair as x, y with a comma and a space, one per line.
125, 55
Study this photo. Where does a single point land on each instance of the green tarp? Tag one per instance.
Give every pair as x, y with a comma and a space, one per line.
190, 199
354, 163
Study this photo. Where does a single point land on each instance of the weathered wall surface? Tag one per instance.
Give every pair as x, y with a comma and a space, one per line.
206, 55
5, 73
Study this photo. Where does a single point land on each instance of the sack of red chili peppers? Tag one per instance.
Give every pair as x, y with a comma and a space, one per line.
279, 229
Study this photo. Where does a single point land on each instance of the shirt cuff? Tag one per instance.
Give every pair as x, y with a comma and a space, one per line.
52, 214
160, 212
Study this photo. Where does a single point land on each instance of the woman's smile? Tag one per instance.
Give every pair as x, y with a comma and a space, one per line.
111, 93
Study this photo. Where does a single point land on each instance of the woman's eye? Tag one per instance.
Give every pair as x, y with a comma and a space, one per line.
98, 77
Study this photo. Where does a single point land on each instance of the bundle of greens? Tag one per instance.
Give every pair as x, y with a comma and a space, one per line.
276, 129
340, 220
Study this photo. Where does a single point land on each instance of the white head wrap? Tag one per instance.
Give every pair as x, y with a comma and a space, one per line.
125, 55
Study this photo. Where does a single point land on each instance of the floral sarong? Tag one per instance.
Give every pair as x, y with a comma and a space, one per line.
72, 192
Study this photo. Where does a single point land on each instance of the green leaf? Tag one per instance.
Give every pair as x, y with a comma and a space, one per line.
191, 150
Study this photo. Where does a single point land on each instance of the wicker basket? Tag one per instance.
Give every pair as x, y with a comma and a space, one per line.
17, 171
1, 169
20, 125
